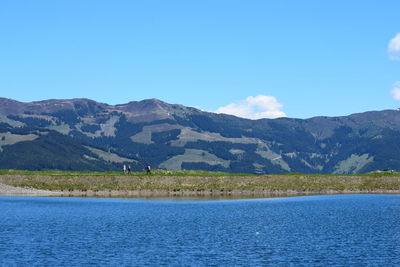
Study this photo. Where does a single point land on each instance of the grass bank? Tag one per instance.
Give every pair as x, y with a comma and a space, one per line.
164, 183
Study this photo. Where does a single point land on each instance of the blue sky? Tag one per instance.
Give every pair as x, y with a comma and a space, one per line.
256, 58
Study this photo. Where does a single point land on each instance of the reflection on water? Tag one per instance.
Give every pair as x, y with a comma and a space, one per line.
312, 230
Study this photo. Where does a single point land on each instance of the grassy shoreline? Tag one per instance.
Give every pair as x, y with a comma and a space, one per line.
195, 183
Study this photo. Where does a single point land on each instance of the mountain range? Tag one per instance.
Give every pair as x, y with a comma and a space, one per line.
82, 134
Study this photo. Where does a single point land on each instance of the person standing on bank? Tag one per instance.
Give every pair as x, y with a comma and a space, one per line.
129, 169
148, 169
124, 168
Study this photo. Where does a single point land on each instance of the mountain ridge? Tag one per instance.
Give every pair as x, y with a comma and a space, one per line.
175, 136
3, 101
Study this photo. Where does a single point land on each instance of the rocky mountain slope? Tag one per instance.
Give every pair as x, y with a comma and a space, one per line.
81, 134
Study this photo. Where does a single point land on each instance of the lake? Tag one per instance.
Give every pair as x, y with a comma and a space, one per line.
339, 230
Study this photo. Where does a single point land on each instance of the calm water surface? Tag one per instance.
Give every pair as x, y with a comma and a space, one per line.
338, 230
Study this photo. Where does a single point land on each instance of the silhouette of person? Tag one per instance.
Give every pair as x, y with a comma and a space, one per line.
148, 169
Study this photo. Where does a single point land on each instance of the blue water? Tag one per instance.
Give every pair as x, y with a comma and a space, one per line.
339, 230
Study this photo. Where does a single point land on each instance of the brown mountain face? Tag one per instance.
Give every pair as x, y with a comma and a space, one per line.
12, 107
152, 109
97, 136
138, 111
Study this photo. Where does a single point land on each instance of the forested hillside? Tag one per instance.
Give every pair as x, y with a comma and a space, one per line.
81, 134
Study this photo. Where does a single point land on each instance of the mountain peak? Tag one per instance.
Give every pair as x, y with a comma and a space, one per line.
178, 137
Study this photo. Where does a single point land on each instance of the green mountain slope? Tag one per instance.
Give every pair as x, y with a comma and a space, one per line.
81, 134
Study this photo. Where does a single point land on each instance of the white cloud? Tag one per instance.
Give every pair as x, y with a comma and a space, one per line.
396, 91
394, 48
255, 107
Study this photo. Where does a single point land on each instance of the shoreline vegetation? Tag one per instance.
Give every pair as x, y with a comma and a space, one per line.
191, 184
